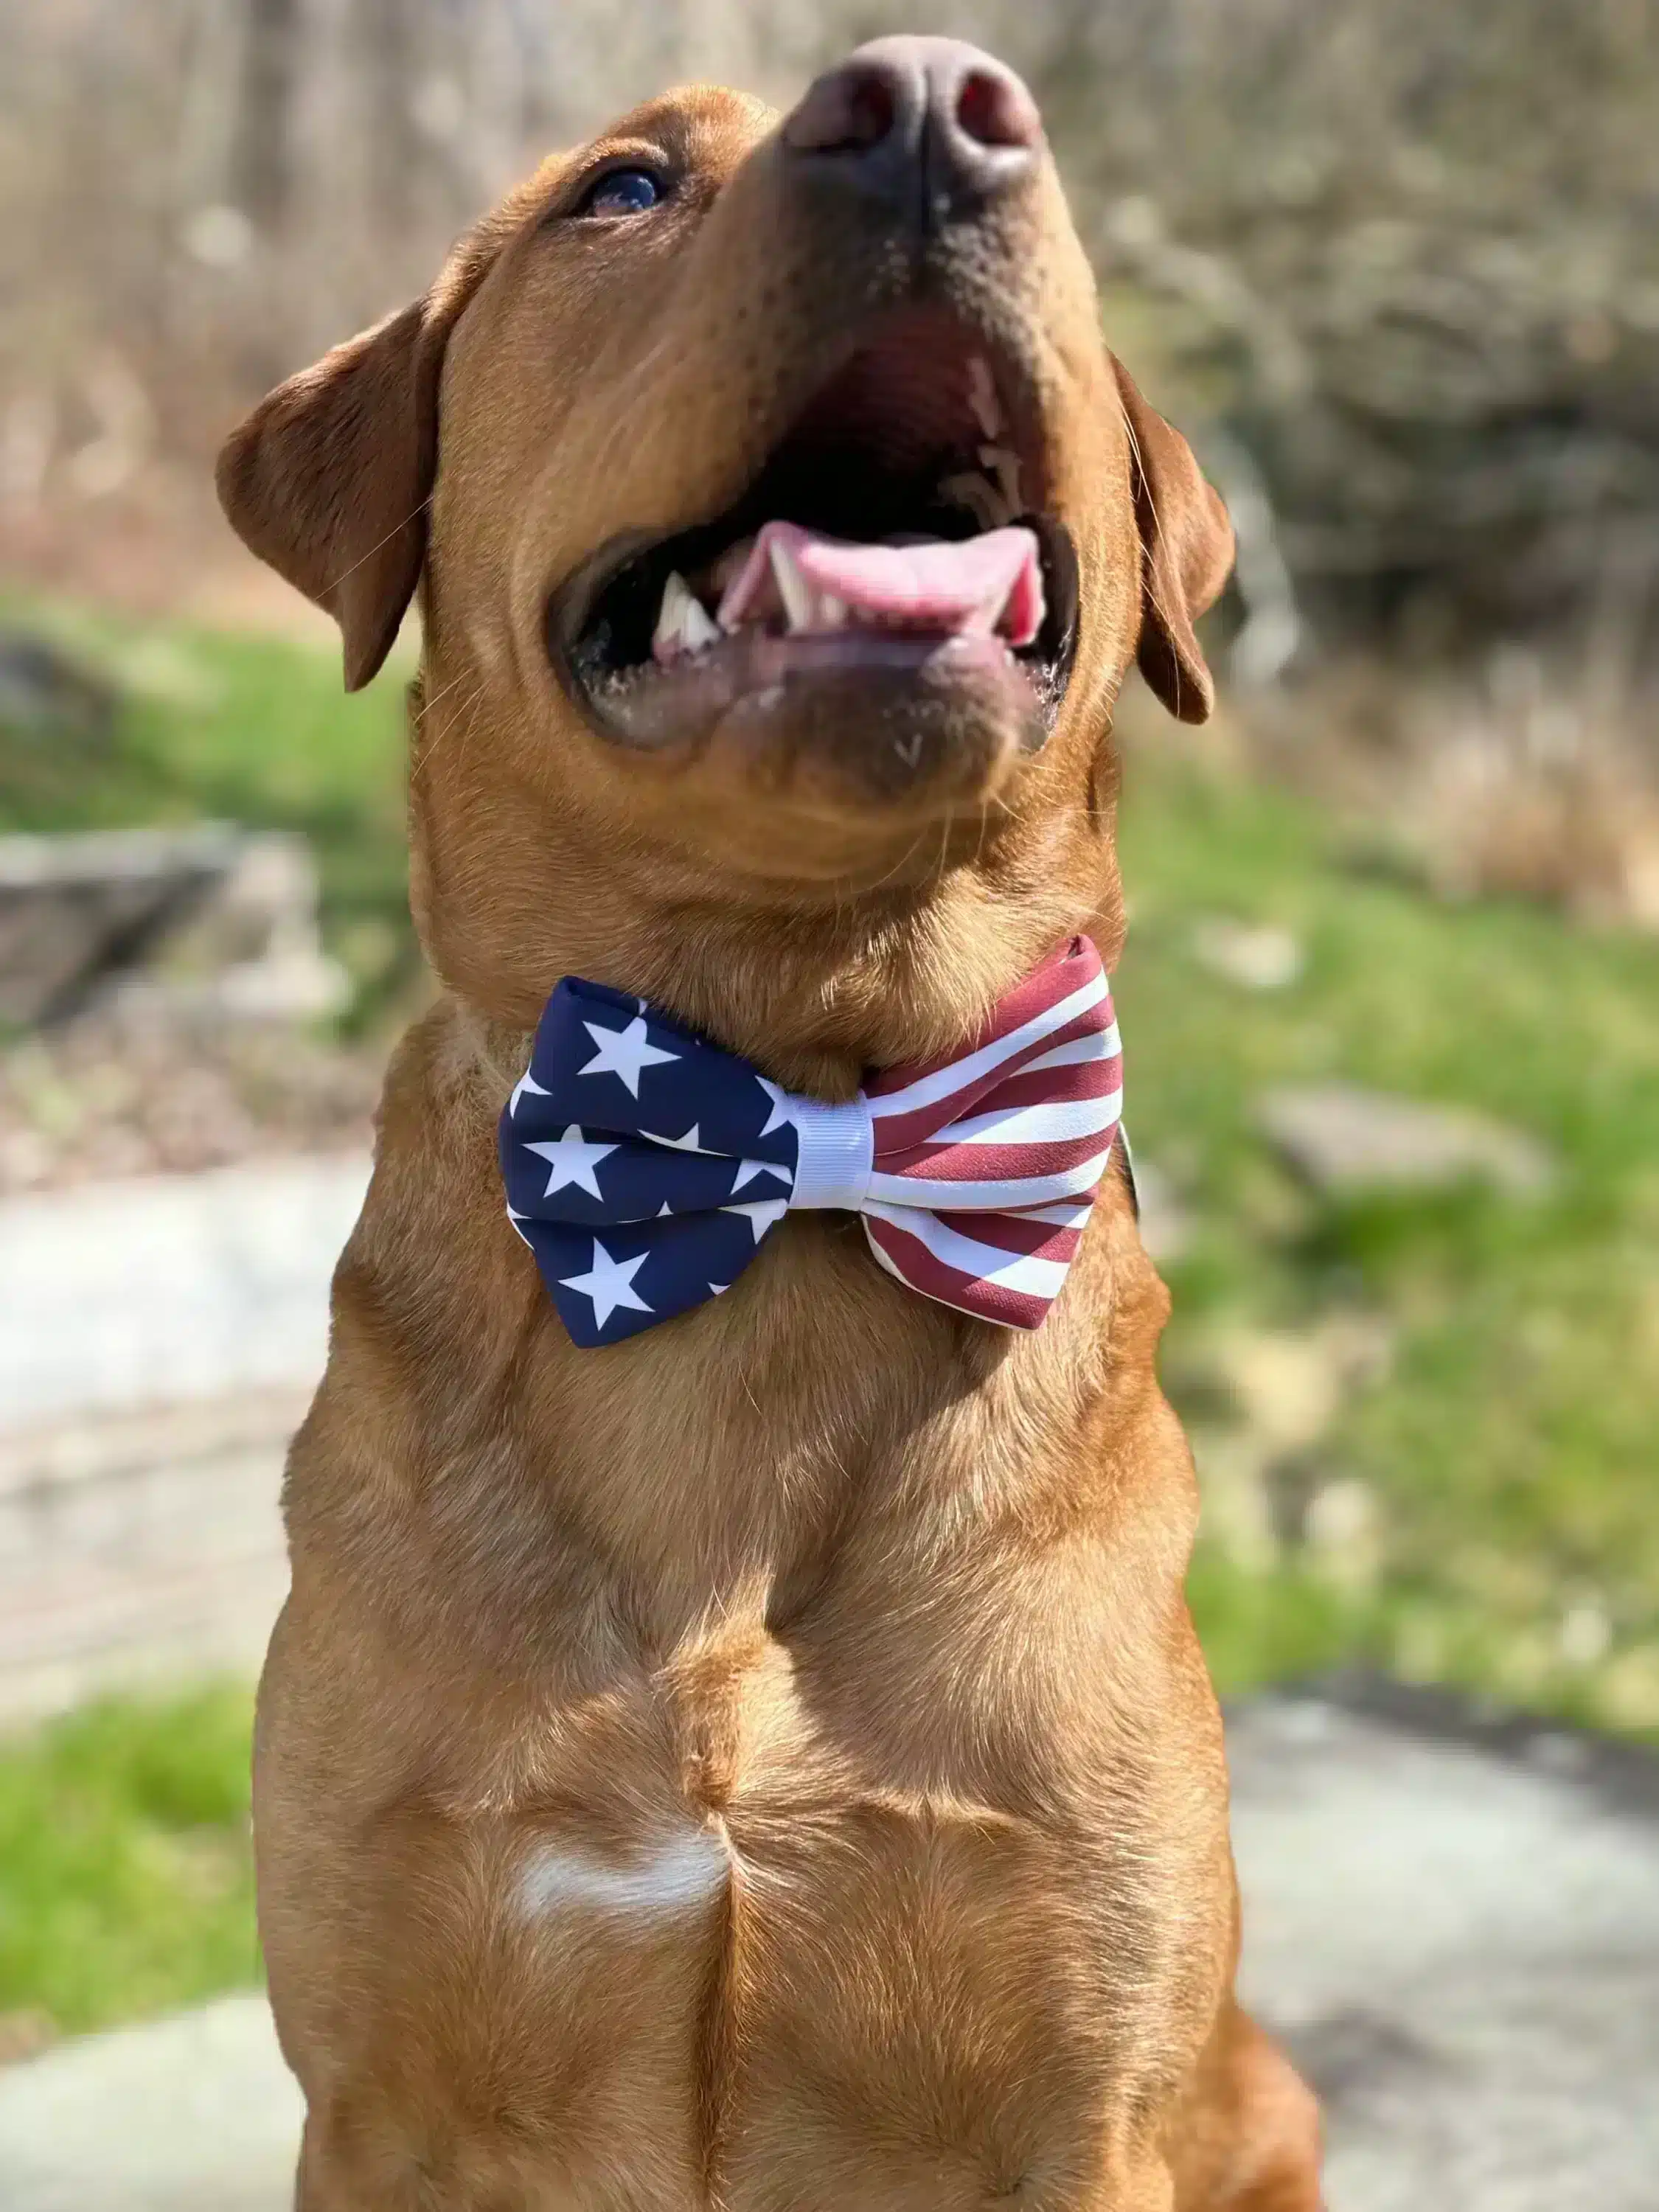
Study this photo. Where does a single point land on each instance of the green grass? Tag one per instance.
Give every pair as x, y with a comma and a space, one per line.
1505, 1444
126, 1882
1509, 1447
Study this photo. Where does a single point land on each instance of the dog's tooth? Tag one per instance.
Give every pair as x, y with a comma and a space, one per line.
832, 613
793, 589
983, 396
1002, 463
677, 599
981, 499
698, 626
683, 623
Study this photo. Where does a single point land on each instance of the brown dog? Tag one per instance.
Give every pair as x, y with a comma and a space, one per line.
767, 1763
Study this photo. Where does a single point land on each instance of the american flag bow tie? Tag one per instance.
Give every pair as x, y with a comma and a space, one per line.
644, 1165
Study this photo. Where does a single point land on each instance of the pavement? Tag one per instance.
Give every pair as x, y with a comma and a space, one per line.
1453, 1920
162, 1339
170, 1290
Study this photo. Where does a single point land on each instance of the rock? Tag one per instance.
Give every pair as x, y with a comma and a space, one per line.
49, 698
209, 919
1344, 1140
1263, 958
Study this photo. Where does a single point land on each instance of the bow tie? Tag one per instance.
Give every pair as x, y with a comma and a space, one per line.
644, 1165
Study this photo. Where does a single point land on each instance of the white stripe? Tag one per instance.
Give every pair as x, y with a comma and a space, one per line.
1009, 1271
1098, 1044
1053, 1122
688, 1871
1018, 1194
1072, 1216
927, 1089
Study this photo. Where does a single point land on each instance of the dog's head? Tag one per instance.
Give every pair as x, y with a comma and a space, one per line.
783, 526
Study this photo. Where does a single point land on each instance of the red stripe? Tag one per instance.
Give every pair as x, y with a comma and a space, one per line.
1020, 1233
968, 1293
893, 1129
1044, 1086
997, 1163
887, 1150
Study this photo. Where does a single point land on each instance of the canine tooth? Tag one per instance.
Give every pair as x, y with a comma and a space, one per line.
683, 624
677, 599
832, 611
1003, 464
793, 587
698, 626
983, 396
988, 508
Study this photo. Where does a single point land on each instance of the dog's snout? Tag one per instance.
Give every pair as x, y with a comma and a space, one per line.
927, 124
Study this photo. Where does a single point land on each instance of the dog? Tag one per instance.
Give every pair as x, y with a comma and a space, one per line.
763, 1760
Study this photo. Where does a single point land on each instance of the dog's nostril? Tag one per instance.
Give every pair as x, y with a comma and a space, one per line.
928, 127
848, 111
993, 108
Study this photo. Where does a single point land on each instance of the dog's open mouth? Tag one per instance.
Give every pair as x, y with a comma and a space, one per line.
897, 533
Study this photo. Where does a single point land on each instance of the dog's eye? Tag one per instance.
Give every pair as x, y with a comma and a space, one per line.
623, 192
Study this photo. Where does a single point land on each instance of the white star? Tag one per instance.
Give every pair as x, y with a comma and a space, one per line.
780, 1114
610, 1284
515, 1218
623, 1053
760, 1215
525, 1084
572, 1161
747, 1170
690, 1142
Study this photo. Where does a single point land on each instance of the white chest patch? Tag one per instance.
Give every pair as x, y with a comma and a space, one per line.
682, 1875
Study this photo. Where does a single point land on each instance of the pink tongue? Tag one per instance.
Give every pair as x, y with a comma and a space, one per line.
991, 584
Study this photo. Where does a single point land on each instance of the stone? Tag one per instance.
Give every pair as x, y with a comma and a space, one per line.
209, 919
1258, 957
1346, 1140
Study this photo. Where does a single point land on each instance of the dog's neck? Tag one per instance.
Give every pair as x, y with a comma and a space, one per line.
813, 989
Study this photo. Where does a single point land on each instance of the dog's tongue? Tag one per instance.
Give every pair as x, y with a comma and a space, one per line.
988, 585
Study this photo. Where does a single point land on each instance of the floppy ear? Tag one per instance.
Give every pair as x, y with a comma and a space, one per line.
1187, 552
328, 479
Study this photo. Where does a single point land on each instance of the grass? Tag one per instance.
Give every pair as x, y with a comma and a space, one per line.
1493, 1456
126, 1882
1504, 1452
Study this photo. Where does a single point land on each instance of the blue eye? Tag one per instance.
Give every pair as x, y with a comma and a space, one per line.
623, 192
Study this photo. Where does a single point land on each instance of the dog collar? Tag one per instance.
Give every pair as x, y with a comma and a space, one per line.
644, 1166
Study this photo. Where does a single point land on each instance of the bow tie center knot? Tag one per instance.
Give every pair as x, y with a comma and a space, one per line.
837, 1152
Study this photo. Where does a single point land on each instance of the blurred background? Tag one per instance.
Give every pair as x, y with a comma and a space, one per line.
1392, 995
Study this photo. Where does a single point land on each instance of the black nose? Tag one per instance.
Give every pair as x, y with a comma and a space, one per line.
926, 124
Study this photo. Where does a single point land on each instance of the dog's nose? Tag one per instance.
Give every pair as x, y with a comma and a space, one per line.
931, 124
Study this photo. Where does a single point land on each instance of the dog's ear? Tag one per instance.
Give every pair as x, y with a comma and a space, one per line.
1187, 552
328, 479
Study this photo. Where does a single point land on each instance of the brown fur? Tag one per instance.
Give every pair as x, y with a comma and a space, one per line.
884, 1604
